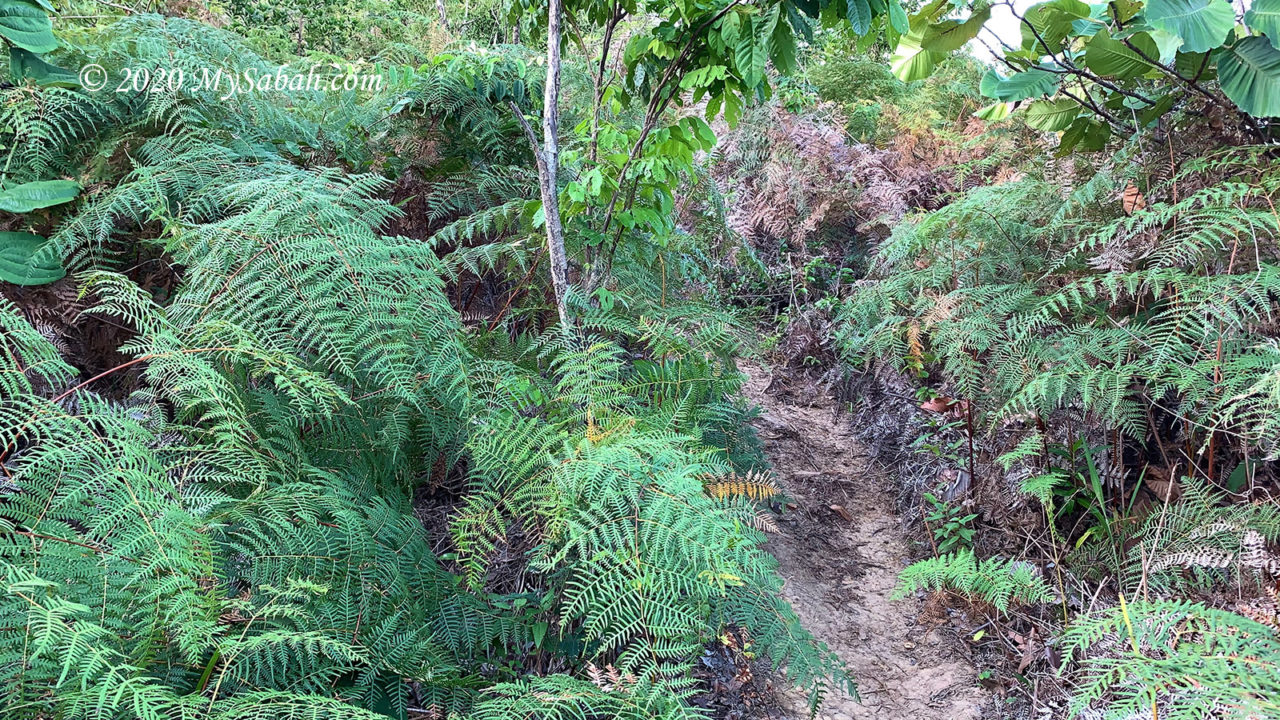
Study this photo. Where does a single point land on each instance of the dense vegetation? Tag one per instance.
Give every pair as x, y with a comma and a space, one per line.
419, 397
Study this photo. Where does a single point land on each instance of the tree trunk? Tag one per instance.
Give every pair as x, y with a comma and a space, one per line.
444, 19
549, 163
547, 157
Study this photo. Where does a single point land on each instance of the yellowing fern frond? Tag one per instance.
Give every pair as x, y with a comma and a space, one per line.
757, 485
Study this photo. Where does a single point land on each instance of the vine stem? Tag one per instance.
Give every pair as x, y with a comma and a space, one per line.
135, 361
142, 358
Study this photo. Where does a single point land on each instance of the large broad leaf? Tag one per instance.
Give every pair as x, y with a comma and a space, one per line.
26, 25
995, 112
35, 195
730, 29
1020, 86
1202, 24
1052, 21
951, 35
1052, 115
21, 262
910, 61
26, 65
1264, 16
1249, 74
1109, 57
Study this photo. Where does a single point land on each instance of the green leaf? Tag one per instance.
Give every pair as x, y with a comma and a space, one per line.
898, 18
35, 195
1125, 9
1168, 43
26, 65
799, 24
1249, 74
1020, 86
1155, 112
782, 48
995, 112
750, 56
703, 76
730, 25
1084, 135
1264, 16
1202, 24
1195, 66
18, 264
910, 61
1052, 115
951, 35
26, 25
1113, 58
1053, 21
859, 15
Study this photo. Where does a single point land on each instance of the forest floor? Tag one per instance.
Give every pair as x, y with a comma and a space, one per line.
840, 549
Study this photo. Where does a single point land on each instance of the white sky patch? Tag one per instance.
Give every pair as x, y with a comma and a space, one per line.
1003, 26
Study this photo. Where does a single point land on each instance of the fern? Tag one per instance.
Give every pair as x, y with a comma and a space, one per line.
221, 523
993, 581
1023, 318
1175, 659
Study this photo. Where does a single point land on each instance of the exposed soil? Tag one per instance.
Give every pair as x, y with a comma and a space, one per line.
840, 550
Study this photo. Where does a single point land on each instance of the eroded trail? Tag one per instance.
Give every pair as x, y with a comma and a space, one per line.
840, 550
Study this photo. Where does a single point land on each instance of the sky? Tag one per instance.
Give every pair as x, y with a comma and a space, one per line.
1003, 25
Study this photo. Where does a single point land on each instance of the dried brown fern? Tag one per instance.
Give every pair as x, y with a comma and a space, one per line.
756, 485
609, 678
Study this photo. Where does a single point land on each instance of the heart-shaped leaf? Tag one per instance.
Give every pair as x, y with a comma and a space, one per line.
1202, 24
35, 195
1249, 73
21, 263
26, 25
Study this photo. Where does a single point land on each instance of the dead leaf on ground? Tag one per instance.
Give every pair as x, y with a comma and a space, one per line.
941, 403
1161, 482
1132, 200
843, 512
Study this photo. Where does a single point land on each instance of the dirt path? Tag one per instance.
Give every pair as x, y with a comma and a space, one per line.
841, 565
